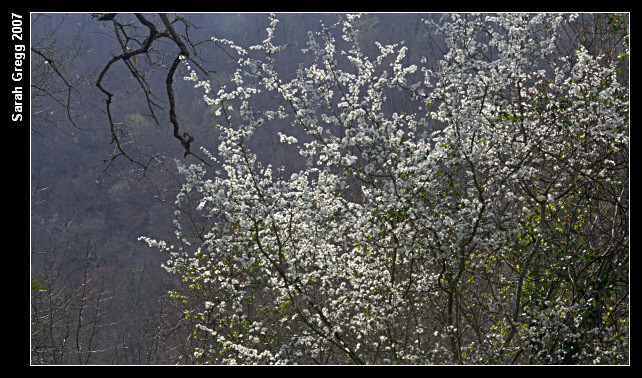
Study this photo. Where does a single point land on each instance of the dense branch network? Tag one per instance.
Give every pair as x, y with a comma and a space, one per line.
54, 74
488, 224
129, 57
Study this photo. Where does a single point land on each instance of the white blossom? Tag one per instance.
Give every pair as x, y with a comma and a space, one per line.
442, 235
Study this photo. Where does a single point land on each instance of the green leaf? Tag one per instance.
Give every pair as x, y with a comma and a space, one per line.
36, 286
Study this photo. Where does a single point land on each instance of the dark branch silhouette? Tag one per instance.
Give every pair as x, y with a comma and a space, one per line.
145, 49
106, 16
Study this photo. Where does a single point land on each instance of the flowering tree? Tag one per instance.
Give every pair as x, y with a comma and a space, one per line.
487, 225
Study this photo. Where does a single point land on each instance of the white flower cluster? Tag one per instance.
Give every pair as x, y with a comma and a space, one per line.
414, 237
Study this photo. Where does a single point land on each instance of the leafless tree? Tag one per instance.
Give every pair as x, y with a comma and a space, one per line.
143, 49
67, 320
55, 74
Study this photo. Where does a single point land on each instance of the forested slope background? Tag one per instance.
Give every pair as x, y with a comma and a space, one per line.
108, 161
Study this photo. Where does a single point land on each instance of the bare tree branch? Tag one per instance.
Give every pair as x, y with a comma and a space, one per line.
128, 55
